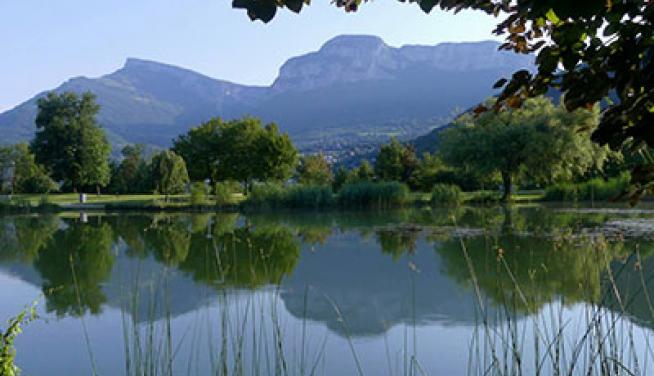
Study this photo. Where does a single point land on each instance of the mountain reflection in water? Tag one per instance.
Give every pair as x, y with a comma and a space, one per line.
358, 274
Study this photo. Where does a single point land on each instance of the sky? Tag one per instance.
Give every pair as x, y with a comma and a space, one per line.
43, 43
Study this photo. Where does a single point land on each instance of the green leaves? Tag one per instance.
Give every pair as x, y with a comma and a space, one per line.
552, 17
69, 142
242, 150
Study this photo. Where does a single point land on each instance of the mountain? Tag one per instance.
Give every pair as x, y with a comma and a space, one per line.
355, 91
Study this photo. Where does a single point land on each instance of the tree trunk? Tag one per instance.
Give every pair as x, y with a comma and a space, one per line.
506, 180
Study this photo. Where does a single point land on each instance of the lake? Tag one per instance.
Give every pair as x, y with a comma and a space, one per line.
461, 291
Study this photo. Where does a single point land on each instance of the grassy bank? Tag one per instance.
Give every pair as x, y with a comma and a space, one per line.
294, 198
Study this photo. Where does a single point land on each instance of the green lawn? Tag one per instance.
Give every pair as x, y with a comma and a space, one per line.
132, 199
135, 200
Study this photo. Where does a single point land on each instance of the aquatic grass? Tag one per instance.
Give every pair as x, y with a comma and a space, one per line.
605, 345
8, 337
594, 189
375, 195
273, 196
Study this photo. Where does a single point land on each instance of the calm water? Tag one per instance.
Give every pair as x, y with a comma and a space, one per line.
438, 292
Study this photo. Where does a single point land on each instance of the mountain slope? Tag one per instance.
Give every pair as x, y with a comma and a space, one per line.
355, 90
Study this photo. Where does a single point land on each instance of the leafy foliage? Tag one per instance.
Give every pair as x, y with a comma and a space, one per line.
314, 170
198, 193
224, 192
7, 338
428, 172
395, 162
219, 150
69, 141
168, 173
28, 176
446, 194
540, 142
131, 175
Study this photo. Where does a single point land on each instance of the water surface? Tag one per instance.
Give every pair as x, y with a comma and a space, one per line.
408, 292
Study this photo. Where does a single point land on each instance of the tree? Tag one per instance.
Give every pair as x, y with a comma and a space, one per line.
314, 170
201, 149
28, 176
241, 150
365, 172
427, 173
587, 49
168, 173
539, 141
340, 178
395, 162
131, 174
69, 142
278, 157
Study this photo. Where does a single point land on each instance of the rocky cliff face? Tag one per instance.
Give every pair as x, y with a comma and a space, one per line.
354, 58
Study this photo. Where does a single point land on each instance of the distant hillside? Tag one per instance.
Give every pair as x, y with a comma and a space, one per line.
354, 91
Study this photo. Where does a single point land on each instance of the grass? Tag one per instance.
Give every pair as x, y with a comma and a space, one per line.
594, 189
135, 201
374, 195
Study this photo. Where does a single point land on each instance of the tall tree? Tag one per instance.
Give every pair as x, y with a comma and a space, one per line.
201, 149
540, 141
587, 49
131, 175
314, 170
427, 173
168, 173
69, 142
395, 162
242, 150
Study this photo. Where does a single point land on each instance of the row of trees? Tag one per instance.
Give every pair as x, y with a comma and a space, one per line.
70, 152
539, 143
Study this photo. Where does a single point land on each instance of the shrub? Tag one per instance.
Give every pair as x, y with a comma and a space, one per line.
198, 193
373, 195
446, 194
224, 191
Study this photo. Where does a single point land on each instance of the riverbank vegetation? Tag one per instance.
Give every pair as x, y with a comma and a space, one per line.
481, 158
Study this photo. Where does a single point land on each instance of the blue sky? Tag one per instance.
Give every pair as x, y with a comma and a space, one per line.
43, 43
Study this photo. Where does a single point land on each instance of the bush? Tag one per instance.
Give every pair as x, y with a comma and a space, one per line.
198, 193
594, 189
373, 195
446, 194
224, 192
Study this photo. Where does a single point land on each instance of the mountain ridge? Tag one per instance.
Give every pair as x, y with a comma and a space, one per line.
354, 90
